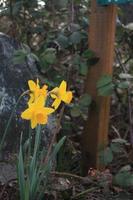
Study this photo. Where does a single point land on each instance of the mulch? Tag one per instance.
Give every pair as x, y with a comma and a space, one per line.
9, 191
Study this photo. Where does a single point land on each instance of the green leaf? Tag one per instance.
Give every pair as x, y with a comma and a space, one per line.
125, 168
19, 56
125, 76
88, 54
75, 27
63, 41
50, 58
106, 90
75, 111
105, 85
76, 60
38, 29
58, 146
124, 179
26, 145
52, 157
47, 57
116, 147
104, 80
120, 140
50, 55
85, 100
83, 68
44, 65
106, 156
85, 22
21, 177
61, 3
67, 126
123, 85
35, 57
16, 8
75, 38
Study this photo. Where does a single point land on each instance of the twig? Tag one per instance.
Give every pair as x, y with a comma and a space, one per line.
67, 175
84, 192
116, 131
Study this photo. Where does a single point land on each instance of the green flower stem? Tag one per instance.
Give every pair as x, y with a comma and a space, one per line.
30, 140
10, 119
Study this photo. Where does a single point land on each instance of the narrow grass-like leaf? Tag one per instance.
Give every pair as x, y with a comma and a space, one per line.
21, 177
46, 169
36, 146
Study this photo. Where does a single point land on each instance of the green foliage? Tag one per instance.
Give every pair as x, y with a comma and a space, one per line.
75, 38
106, 156
32, 170
52, 34
47, 58
63, 41
21, 177
116, 147
124, 177
83, 68
88, 54
75, 111
20, 56
85, 100
105, 85
123, 85
120, 141
81, 106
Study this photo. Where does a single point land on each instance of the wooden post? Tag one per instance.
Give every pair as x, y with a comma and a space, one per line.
101, 41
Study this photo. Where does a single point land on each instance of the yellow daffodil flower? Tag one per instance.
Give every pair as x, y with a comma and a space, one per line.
60, 94
36, 91
37, 113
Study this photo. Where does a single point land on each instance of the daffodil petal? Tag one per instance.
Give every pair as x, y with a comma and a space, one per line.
32, 85
31, 99
39, 102
62, 88
67, 97
27, 114
44, 87
33, 122
56, 103
53, 96
43, 92
54, 91
48, 111
37, 84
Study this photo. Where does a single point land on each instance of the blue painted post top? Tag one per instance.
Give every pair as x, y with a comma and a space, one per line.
108, 2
